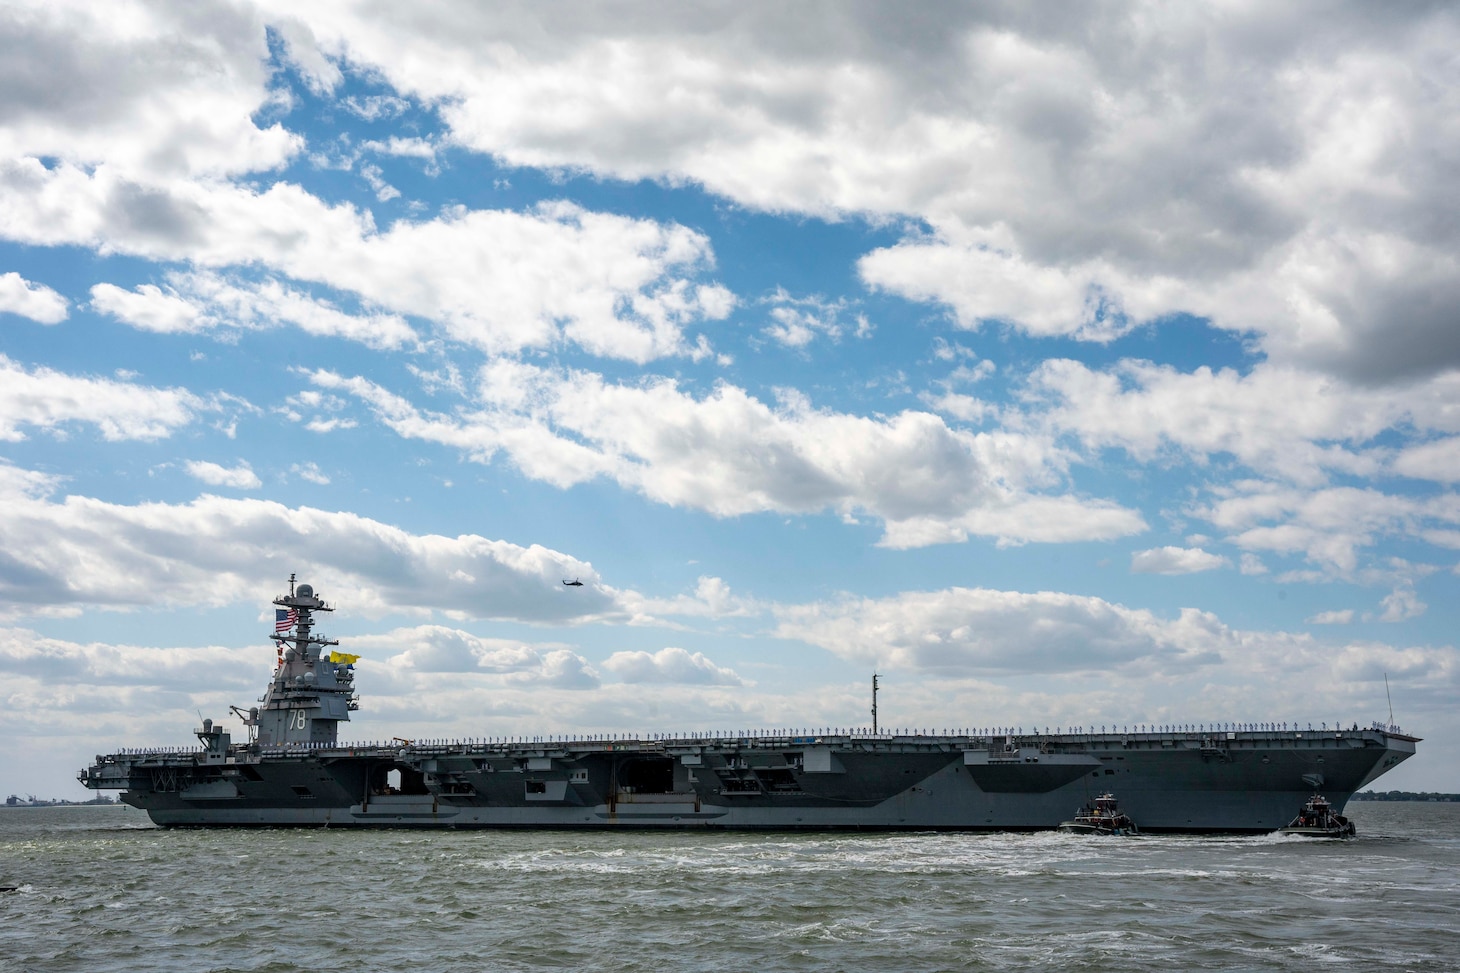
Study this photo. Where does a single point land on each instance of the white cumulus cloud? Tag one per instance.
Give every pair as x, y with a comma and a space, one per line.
1330, 526
240, 477
1438, 461
311, 473
31, 300
1401, 604
729, 454
150, 90
670, 665
46, 399
1176, 560
981, 630
1150, 410
439, 649
201, 301
615, 286
1078, 175
148, 308
82, 551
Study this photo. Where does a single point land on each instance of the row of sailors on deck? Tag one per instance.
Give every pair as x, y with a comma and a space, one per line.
1206, 727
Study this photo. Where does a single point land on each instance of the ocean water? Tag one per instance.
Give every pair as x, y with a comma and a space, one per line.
101, 889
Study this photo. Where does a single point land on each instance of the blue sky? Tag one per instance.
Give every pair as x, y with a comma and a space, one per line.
1094, 371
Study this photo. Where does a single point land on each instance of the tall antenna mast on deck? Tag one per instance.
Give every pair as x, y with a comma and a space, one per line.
1387, 697
874, 702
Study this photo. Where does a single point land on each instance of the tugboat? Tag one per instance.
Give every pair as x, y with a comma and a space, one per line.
1101, 816
1318, 820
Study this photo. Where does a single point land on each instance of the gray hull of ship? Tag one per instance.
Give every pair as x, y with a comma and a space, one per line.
1239, 782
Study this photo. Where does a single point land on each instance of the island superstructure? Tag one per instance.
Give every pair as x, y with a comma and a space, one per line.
293, 770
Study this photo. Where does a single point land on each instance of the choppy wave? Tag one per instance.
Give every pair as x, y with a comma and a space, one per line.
100, 889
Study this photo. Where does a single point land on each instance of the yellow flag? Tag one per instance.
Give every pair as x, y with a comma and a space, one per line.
344, 657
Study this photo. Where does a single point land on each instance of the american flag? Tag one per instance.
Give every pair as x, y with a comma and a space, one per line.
285, 619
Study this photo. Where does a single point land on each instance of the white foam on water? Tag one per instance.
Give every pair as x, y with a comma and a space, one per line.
657, 902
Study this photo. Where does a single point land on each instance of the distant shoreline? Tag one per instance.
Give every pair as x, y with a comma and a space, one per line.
102, 801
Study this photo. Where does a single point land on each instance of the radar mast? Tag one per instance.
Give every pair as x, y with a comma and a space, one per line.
312, 692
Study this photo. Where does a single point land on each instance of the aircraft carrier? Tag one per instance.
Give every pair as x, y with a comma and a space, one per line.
295, 771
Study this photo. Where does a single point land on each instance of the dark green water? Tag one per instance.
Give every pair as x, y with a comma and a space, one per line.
100, 889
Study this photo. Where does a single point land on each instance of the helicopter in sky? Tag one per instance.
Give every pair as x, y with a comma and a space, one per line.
575, 583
